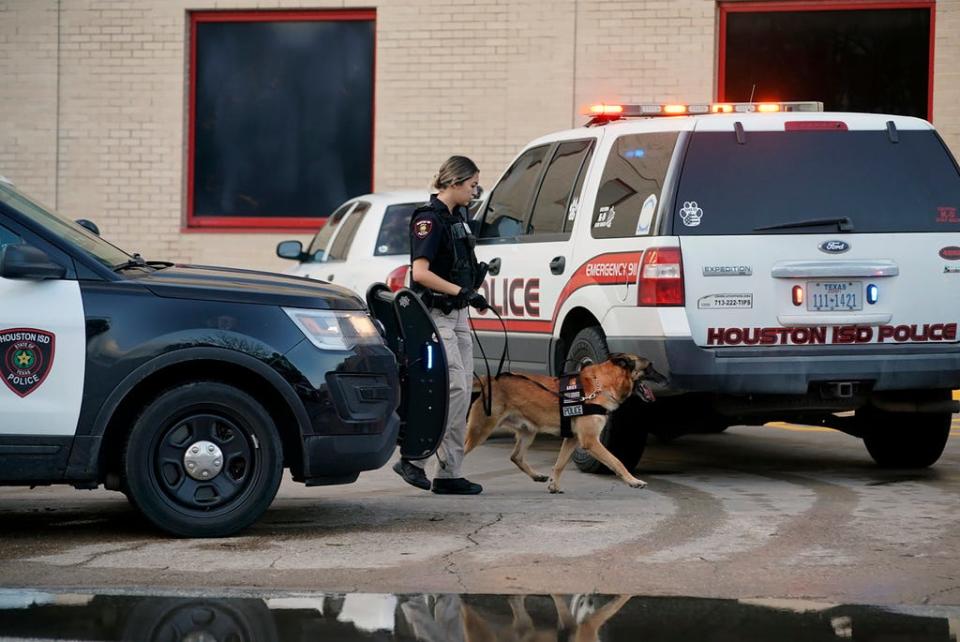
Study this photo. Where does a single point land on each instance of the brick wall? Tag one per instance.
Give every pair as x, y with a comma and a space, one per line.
479, 77
946, 73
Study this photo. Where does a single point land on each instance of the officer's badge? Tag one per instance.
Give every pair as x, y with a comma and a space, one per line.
26, 357
422, 228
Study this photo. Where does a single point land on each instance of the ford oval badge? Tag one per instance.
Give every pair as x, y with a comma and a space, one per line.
834, 247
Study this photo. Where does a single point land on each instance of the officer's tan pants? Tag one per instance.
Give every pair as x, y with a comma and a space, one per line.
455, 333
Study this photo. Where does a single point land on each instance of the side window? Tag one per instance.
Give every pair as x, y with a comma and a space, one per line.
631, 183
322, 239
341, 244
7, 237
507, 207
394, 235
555, 202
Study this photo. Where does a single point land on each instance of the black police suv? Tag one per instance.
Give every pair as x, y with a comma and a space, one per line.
191, 388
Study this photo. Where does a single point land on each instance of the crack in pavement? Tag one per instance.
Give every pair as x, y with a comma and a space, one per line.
451, 564
123, 549
926, 598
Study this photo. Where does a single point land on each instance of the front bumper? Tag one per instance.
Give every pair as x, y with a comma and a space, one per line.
692, 368
351, 399
339, 459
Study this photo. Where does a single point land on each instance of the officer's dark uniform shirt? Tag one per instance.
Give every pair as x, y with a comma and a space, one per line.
431, 239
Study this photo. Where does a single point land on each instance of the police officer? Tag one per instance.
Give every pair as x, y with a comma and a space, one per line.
446, 275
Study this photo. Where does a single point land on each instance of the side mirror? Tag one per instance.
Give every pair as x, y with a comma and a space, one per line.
474, 225
28, 262
88, 225
292, 250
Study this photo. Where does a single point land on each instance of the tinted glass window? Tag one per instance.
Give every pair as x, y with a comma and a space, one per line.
631, 183
322, 238
787, 177
341, 244
864, 60
107, 254
510, 200
394, 236
8, 237
553, 205
284, 117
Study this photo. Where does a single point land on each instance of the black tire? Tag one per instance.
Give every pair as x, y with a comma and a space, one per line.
620, 435
904, 439
177, 618
236, 494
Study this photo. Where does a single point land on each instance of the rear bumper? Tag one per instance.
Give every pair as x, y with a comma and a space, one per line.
791, 371
333, 459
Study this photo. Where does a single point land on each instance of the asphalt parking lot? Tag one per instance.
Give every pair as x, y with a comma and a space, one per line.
773, 512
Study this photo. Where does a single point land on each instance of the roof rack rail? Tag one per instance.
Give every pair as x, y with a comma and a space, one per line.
604, 113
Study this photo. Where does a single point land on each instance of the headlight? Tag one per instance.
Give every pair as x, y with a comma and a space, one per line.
335, 329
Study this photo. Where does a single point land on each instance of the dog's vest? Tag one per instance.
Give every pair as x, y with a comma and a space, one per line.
572, 404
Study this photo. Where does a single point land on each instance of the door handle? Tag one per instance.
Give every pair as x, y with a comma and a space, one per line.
493, 267
558, 264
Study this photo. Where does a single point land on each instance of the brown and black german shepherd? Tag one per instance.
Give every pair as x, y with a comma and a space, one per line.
529, 404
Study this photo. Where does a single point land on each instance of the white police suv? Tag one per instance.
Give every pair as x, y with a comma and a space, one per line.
191, 388
366, 240
778, 262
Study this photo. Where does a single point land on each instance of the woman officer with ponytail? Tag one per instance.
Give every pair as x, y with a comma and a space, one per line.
446, 275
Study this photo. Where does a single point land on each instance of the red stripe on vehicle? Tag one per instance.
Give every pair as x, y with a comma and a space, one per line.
614, 268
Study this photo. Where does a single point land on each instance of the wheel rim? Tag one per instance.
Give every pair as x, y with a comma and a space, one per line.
204, 461
204, 622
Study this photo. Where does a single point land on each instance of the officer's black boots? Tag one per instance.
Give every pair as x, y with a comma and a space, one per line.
458, 486
412, 474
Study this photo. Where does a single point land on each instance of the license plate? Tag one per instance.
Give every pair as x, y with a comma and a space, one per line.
825, 296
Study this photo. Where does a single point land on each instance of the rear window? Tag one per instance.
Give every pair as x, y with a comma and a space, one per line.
394, 236
631, 183
778, 178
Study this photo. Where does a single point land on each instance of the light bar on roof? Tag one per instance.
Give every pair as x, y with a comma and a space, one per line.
603, 112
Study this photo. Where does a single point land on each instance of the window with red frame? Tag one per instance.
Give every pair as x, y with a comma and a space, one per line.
281, 116
874, 57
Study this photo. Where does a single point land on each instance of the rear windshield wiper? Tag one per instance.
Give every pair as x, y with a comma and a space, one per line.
843, 223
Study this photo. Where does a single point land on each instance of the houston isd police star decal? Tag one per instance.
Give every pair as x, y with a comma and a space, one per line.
27, 356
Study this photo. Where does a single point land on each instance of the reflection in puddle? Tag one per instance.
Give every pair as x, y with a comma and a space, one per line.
37, 615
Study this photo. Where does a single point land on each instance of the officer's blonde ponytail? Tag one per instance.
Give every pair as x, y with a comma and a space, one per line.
454, 171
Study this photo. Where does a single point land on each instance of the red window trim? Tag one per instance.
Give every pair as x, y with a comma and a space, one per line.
813, 5
260, 223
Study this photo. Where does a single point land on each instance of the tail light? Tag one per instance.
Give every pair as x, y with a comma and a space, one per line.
661, 277
398, 278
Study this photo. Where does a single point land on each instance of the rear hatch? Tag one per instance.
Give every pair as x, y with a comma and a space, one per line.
823, 230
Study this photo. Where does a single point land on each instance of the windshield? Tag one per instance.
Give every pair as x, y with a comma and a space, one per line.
107, 254
779, 178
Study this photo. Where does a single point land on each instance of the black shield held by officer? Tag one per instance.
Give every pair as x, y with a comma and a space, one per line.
445, 274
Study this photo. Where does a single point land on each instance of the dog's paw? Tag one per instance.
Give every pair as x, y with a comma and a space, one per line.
541, 478
553, 488
637, 483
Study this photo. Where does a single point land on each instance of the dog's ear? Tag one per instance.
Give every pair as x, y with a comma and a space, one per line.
624, 361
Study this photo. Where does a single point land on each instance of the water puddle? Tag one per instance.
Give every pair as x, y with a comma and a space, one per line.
38, 615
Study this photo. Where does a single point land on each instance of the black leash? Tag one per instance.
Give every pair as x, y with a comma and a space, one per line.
487, 395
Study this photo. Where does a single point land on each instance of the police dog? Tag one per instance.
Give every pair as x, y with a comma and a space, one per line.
529, 404
573, 624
